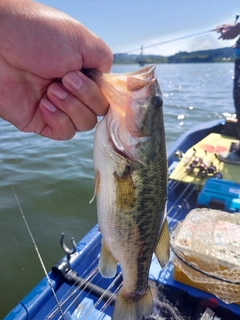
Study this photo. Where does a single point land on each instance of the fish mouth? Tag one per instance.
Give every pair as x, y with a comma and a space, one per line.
131, 81
118, 87
145, 73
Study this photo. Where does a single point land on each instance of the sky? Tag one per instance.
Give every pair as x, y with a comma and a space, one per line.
126, 25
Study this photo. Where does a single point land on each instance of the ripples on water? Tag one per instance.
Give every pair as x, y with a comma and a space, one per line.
54, 180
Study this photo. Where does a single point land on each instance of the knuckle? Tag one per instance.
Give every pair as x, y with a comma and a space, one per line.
61, 136
89, 125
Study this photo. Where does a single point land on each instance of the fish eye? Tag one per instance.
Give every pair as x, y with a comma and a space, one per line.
157, 101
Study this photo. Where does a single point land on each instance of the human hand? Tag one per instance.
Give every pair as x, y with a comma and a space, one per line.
41, 90
228, 31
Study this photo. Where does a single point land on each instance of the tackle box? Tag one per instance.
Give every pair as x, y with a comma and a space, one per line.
220, 194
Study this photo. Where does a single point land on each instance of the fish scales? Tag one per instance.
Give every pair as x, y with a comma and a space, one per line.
131, 180
147, 221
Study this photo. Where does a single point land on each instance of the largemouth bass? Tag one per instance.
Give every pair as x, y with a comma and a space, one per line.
130, 185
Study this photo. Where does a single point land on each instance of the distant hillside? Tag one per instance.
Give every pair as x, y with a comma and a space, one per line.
120, 58
215, 55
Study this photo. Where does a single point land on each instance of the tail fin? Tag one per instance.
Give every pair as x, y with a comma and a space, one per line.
133, 307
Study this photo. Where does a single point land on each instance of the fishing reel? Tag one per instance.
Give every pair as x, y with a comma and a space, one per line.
182, 156
206, 171
196, 163
202, 170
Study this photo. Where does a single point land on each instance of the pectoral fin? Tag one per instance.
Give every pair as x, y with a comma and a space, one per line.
96, 188
107, 263
162, 250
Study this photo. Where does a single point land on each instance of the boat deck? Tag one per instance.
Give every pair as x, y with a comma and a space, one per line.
79, 300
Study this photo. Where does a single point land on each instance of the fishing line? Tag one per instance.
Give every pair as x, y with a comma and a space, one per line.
184, 201
106, 294
82, 289
178, 179
180, 196
169, 41
38, 253
101, 297
75, 288
67, 296
82, 286
113, 297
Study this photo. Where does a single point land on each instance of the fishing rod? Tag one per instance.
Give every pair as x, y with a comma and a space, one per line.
38, 254
168, 41
180, 38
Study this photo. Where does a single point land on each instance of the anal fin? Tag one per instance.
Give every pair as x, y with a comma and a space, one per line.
162, 250
107, 263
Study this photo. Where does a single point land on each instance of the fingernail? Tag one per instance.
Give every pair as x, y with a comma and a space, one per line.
73, 80
48, 105
59, 92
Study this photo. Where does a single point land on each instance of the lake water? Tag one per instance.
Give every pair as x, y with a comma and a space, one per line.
54, 180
